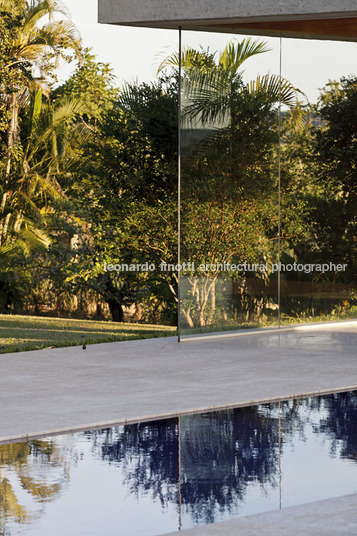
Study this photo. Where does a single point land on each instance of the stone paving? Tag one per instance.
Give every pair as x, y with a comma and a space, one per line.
334, 517
56, 390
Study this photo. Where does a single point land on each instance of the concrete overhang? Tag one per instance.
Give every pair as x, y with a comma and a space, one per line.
319, 19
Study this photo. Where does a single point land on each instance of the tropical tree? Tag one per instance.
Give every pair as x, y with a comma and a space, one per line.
92, 83
32, 51
29, 55
126, 189
229, 178
212, 82
38, 211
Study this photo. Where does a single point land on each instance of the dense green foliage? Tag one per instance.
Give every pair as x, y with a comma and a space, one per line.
88, 178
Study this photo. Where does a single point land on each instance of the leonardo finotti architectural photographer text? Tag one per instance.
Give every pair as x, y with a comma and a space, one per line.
225, 267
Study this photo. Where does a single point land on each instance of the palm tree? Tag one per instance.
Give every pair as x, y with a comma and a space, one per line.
33, 189
230, 136
34, 44
30, 48
212, 84
37, 41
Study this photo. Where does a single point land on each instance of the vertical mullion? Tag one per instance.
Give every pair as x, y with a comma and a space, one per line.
179, 190
279, 183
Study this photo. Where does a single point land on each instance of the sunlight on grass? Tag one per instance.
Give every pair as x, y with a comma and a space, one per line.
20, 333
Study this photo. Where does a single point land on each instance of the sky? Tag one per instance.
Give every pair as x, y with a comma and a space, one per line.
134, 52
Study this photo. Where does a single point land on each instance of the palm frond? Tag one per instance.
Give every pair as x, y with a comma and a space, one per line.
42, 9
207, 100
275, 88
190, 58
33, 42
61, 34
51, 121
236, 53
27, 240
35, 186
27, 204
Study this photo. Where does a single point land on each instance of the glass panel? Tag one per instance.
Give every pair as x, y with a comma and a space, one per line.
229, 182
318, 180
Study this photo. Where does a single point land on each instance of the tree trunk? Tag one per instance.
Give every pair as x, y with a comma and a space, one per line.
187, 315
116, 311
212, 310
13, 131
113, 298
12, 137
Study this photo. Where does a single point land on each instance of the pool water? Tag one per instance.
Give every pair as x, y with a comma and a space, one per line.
155, 478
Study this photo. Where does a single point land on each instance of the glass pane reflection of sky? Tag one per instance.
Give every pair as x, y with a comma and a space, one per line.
152, 478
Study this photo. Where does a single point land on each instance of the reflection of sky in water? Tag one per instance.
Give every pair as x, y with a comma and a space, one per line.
125, 480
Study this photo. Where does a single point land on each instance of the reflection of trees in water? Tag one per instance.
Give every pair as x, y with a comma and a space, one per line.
222, 453
148, 454
334, 416
296, 415
341, 423
35, 465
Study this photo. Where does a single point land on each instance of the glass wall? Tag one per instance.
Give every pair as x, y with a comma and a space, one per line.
318, 182
268, 187
229, 182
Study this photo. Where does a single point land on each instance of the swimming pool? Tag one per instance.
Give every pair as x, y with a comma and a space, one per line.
157, 477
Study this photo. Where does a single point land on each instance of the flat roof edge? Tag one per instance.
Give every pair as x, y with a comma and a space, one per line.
178, 12
231, 25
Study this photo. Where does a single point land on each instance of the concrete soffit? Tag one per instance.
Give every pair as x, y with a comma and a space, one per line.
333, 24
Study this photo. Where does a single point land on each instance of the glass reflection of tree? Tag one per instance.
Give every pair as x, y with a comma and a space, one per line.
229, 194
27, 460
341, 423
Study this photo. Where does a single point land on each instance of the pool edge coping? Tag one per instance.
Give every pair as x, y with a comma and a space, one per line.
171, 415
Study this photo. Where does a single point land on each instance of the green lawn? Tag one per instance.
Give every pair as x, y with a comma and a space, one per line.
19, 333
